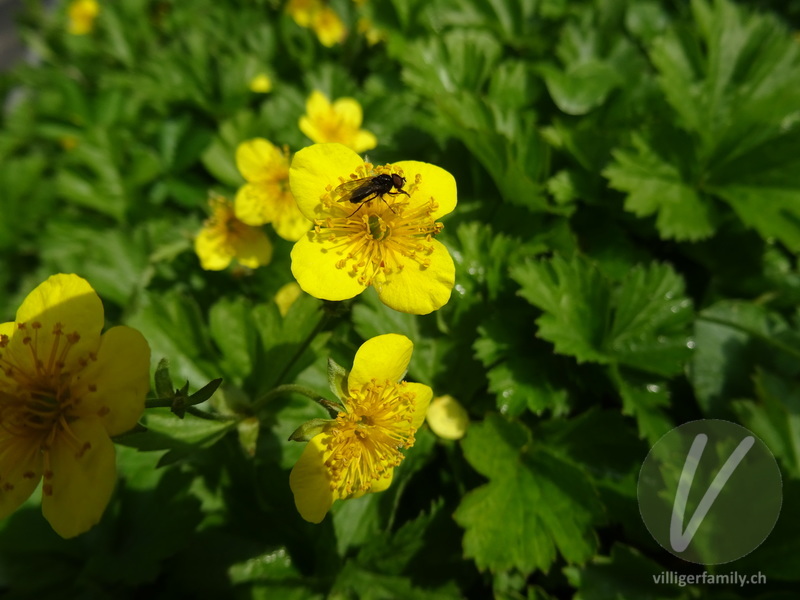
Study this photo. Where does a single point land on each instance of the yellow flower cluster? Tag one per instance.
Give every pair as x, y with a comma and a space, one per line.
355, 224
321, 18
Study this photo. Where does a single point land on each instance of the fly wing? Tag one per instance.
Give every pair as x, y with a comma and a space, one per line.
354, 187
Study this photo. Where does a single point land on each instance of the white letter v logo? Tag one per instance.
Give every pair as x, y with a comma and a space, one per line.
681, 540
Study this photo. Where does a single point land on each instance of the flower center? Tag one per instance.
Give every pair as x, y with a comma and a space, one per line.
36, 395
365, 442
382, 234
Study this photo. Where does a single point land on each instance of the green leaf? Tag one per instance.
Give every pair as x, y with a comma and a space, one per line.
523, 373
581, 88
174, 327
640, 322
182, 437
391, 553
547, 504
287, 341
337, 378
624, 574
776, 418
732, 337
646, 399
656, 186
576, 299
232, 329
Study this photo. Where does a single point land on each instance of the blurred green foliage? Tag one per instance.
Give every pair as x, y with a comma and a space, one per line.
626, 249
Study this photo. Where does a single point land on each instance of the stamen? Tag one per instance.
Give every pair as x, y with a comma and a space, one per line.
365, 444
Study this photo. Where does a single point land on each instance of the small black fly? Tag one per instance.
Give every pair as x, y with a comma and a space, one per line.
361, 191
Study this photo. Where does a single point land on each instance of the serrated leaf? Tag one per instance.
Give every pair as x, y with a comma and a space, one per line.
776, 418
523, 373
646, 399
639, 322
656, 186
576, 299
548, 506
730, 338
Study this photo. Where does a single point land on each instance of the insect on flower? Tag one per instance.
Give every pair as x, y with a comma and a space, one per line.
366, 189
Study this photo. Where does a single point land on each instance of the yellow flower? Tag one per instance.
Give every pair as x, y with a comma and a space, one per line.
357, 452
82, 14
320, 17
224, 237
302, 11
64, 390
328, 26
447, 418
338, 122
266, 197
372, 34
286, 296
261, 84
387, 243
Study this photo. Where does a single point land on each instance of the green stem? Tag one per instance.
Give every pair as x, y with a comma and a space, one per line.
159, 402
293, 388
303, 347
210, 416
753, 333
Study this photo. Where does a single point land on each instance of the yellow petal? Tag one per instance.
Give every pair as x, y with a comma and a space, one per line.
115, 385
348, 112
383, 483
422, 399
67, 300
286, 296
328, 26
290, 223
310, 482
436, 183
20, 470
302, 10
252, 247
317, 105
310, 129
82, 14
416, 289
447, 418
363, 140
83, 476
256, 203
314, 268
213, 249
316, 167
382, 357
260, 160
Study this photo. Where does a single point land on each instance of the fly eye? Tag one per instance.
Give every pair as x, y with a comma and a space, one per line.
398, 181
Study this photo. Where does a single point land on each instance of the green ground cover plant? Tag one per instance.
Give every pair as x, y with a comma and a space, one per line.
622, 258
